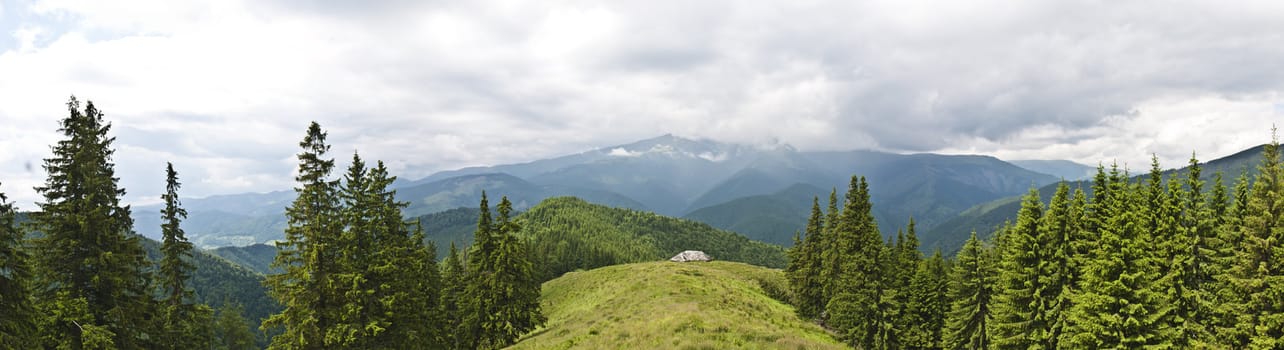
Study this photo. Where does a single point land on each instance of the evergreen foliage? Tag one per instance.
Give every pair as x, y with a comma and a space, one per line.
93, 279
186, 325
307, 257
502, 287
971, 292
17, 327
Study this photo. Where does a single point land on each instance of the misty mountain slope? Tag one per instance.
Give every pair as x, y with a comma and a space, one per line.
1064, 169
668, 175
985, 217
769, 218
665, 144
771, 171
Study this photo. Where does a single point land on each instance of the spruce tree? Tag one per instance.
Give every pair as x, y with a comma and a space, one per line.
1119, 304
359, 319
859, 307
453, 282
17, 327
968, 321
186, 325
928, 302
1257, 276
503, 290
805, 279
1022, 300
90, 261
304, 287
1190, 279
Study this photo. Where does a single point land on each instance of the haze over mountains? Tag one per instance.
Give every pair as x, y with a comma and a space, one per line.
763, 192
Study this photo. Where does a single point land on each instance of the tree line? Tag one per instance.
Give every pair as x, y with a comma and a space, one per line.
1155, 262
354, 273
83, 280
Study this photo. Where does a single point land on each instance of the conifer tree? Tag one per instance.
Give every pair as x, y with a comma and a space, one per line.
967, 324
453, 281
1257, 276
17, 327
1119, 305
91, 263
186, 325
1190, 278
359, 319
859, 307
232, 330
306, 258
1023, 301
503, 290
928, 302
805, 279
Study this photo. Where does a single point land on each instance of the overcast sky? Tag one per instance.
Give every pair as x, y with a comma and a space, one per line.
225, 89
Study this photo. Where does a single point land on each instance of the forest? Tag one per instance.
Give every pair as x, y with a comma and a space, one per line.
1129, 263
1150, 261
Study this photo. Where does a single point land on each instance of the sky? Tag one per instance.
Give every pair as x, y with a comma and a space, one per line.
225, 89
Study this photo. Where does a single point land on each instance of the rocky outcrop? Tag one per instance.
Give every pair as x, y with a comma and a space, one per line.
691, 255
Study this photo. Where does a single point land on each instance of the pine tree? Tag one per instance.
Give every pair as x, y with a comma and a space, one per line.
453, 282
1022, 301
17, 327
1119, 304
503, 291
1190, 278
186, 325
358, 320
805, 279
967, 324
859, 308
306, 258
1257, 276
90, 260
928, 302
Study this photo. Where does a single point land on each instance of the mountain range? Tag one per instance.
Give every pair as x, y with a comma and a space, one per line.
763, 192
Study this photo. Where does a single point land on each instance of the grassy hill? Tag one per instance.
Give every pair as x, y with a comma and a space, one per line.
665, 305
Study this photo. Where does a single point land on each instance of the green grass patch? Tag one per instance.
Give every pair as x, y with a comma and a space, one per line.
715, 305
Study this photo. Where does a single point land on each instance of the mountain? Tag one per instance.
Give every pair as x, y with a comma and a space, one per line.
1062, 169
984, 218
255, 257
928, 187
667, 175
666, 305
771, 218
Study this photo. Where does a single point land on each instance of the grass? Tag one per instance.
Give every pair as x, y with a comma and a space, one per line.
715, 305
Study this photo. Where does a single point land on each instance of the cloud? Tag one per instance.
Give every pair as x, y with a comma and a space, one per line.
225, 89
621, 152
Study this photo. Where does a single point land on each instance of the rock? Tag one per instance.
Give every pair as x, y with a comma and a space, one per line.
691, 255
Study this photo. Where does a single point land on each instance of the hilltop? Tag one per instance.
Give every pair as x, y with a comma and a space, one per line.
652, 305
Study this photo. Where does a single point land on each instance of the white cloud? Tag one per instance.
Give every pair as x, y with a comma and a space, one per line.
621, 152
226, 88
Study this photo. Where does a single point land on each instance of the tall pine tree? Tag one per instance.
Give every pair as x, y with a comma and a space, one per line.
91, 262
1022, 301
1257, 277
1119, 304
968, 322
186, 325
503, 290
805, 279
306, 258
